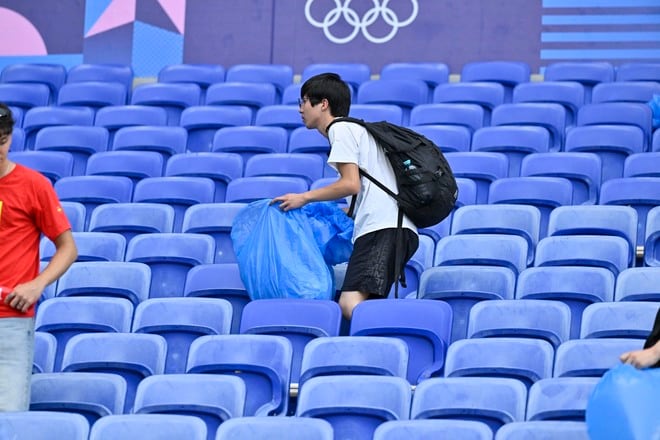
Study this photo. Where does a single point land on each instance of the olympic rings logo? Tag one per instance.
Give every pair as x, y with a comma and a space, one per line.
351, 17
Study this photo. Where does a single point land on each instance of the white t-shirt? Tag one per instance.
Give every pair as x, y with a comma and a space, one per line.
374, 208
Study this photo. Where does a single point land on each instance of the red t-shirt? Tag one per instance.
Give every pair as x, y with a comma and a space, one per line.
28, 208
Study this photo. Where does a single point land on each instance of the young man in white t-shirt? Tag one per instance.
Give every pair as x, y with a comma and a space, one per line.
371, 268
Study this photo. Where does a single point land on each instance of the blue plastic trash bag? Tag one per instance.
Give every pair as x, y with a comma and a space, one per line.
654, 103
278, 253
333, 231
625, 405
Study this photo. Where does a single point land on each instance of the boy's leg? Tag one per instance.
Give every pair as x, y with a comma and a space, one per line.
348, 301
16, 355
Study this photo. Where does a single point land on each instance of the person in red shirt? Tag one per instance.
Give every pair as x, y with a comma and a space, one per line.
29, 208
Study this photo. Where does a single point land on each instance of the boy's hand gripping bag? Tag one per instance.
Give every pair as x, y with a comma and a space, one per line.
625, 405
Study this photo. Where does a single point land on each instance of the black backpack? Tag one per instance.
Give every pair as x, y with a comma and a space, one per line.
426, 184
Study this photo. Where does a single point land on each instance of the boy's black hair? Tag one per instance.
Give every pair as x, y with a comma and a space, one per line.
6, 120
328, 86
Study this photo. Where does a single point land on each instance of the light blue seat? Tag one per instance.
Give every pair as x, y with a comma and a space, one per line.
92, 246
92, 94
180, 321
149, 427
633, 114
493, 401
43, 425
222, 168
173, 97
587, 73
45, 346
638, 71
638, 284
120, 73
432, 428
80, 141
569, 94
117, 116
481, 167
470, 116
620, 319
167, 141
249, 189
488, 95
250, 140
212, 398
65, 317
377, 112
275, 428
507, 73
425, 326
262, 361
52, 75
355, 405
131, 219
549, 116
279, 75
52, 164
642, 165
431, 73
214, 219
652, 240
450, 138
202, 121
135, 165
37, 118
307, 166
250, 95
170, 257
24, 96
591, 357
543, 430
560, 398
625, 91
508, 251
299, 320
405, 93
204, 75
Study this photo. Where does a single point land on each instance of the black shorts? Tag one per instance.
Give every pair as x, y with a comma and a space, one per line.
371, 266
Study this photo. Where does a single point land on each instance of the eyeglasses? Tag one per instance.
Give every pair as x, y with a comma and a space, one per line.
302, 101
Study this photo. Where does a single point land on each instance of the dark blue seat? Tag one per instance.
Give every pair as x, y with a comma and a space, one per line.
204, 75
550, 116
250, 140
481, 167
284, 116
377, 112
306, 166
166, 141
587, 73
250, 95
80, 141
470, 116
516, 142
131, 219
93, 94
279, 75
488, 95
569, 94
405, 93
431, 73
507, 73
119, 73
24, 96
173, 97
52, 75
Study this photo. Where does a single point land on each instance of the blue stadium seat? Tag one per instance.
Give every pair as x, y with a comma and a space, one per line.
167, 141
131, 219
550, 116
299, 320
507, 73
291, 94
17, 140
133, 356
37, 118
249, 189
591, 357
180, 192
377, 112
202, 281
51, 289
306, 166
450, 138
470, 116
243, 94
180, 321
92, 395
248, 141
570, 94
488, 95
638, 71
52, 164
117, 116
280, 75
425, 325
214, 219
80, 141
431, 73
638, 284
587, 73
144, 426
625, 91
560, 398
170, 256
642, 165
106, 279
352, 73
275, 428
43, 425
433, 428
652, 239
52, 75
543, 430
355, 405
285, 116
421, 260
481, 167
325, 181
45, 346
620, 319
24, 96
304, 140
516, 142
222, 168
405, 93
135, 165
262, 361
212, 398
508, 251
17, 113
524, 359
493, 401
92, 94
633, 114
92, 246
202, 121
66, 317
173, 97
204, 75
119, 73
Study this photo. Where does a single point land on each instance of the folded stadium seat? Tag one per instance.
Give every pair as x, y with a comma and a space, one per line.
424, 325
248, 141
546, 193
17, 113
43, 425
280, 75
625, 91
304, 140
24, 96
92, 246
212, 398
325, 181
249, 189
618, 221
135, 165
612, 143
173, 97
169, 257
37, 118
488, 95
69, 316
306, 166
204, 75
275, 428
352, 73
652, 240
421, 260
51, 75
45, 346
633, 114
243, 94
131, 355
222, 168
642, 165
524, 359
180, 321
493, 401
80, 141
92, 94
620, 319
262, 361
432, 428
522, 220
214, 219
291, 94
638, 71
285, 116
470, 116
560, 398
582, 169
119, 73
92, 395
377, 112
638, 284
93, 191
516, 142
642, 193
117, 116
587, 73
431, 73
550, 429
501, 250
202, 121
355, 405
450, 138
591, 357
436, 232
507, 73
202, 281
405, 93
17, 140
569, 94
299, 320
106, 279
131, 219
550, 116
167, 141
161, 426
462, 287
52, 164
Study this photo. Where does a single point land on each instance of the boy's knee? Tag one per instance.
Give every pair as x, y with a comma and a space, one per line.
348, 301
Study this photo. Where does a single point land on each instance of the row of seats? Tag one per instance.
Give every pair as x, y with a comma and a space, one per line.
43, 425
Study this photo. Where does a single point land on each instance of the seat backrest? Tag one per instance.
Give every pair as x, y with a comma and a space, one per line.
135, 165
638, 284
216, 220
117, 116
45, 346
120, 73
131, 219
94, 94
450, 138
222, 168
280, 75
204, 75
160, 426
250, 140
250, 189
483, 250
37, 118
587, 73
591, 357
405, 93
43, 425
560, 398
80, 141
485, 94
167, 141
550, 116
507, 73
352, 73
423, 429
52, 75
625, 91
470, 116
92, 246
432, 74
549, 429
618, 113
173, 97
307, 166
52, 164
275, 428
638, 71
202, 121
569, 94
481, 167
377, 112
621, 319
